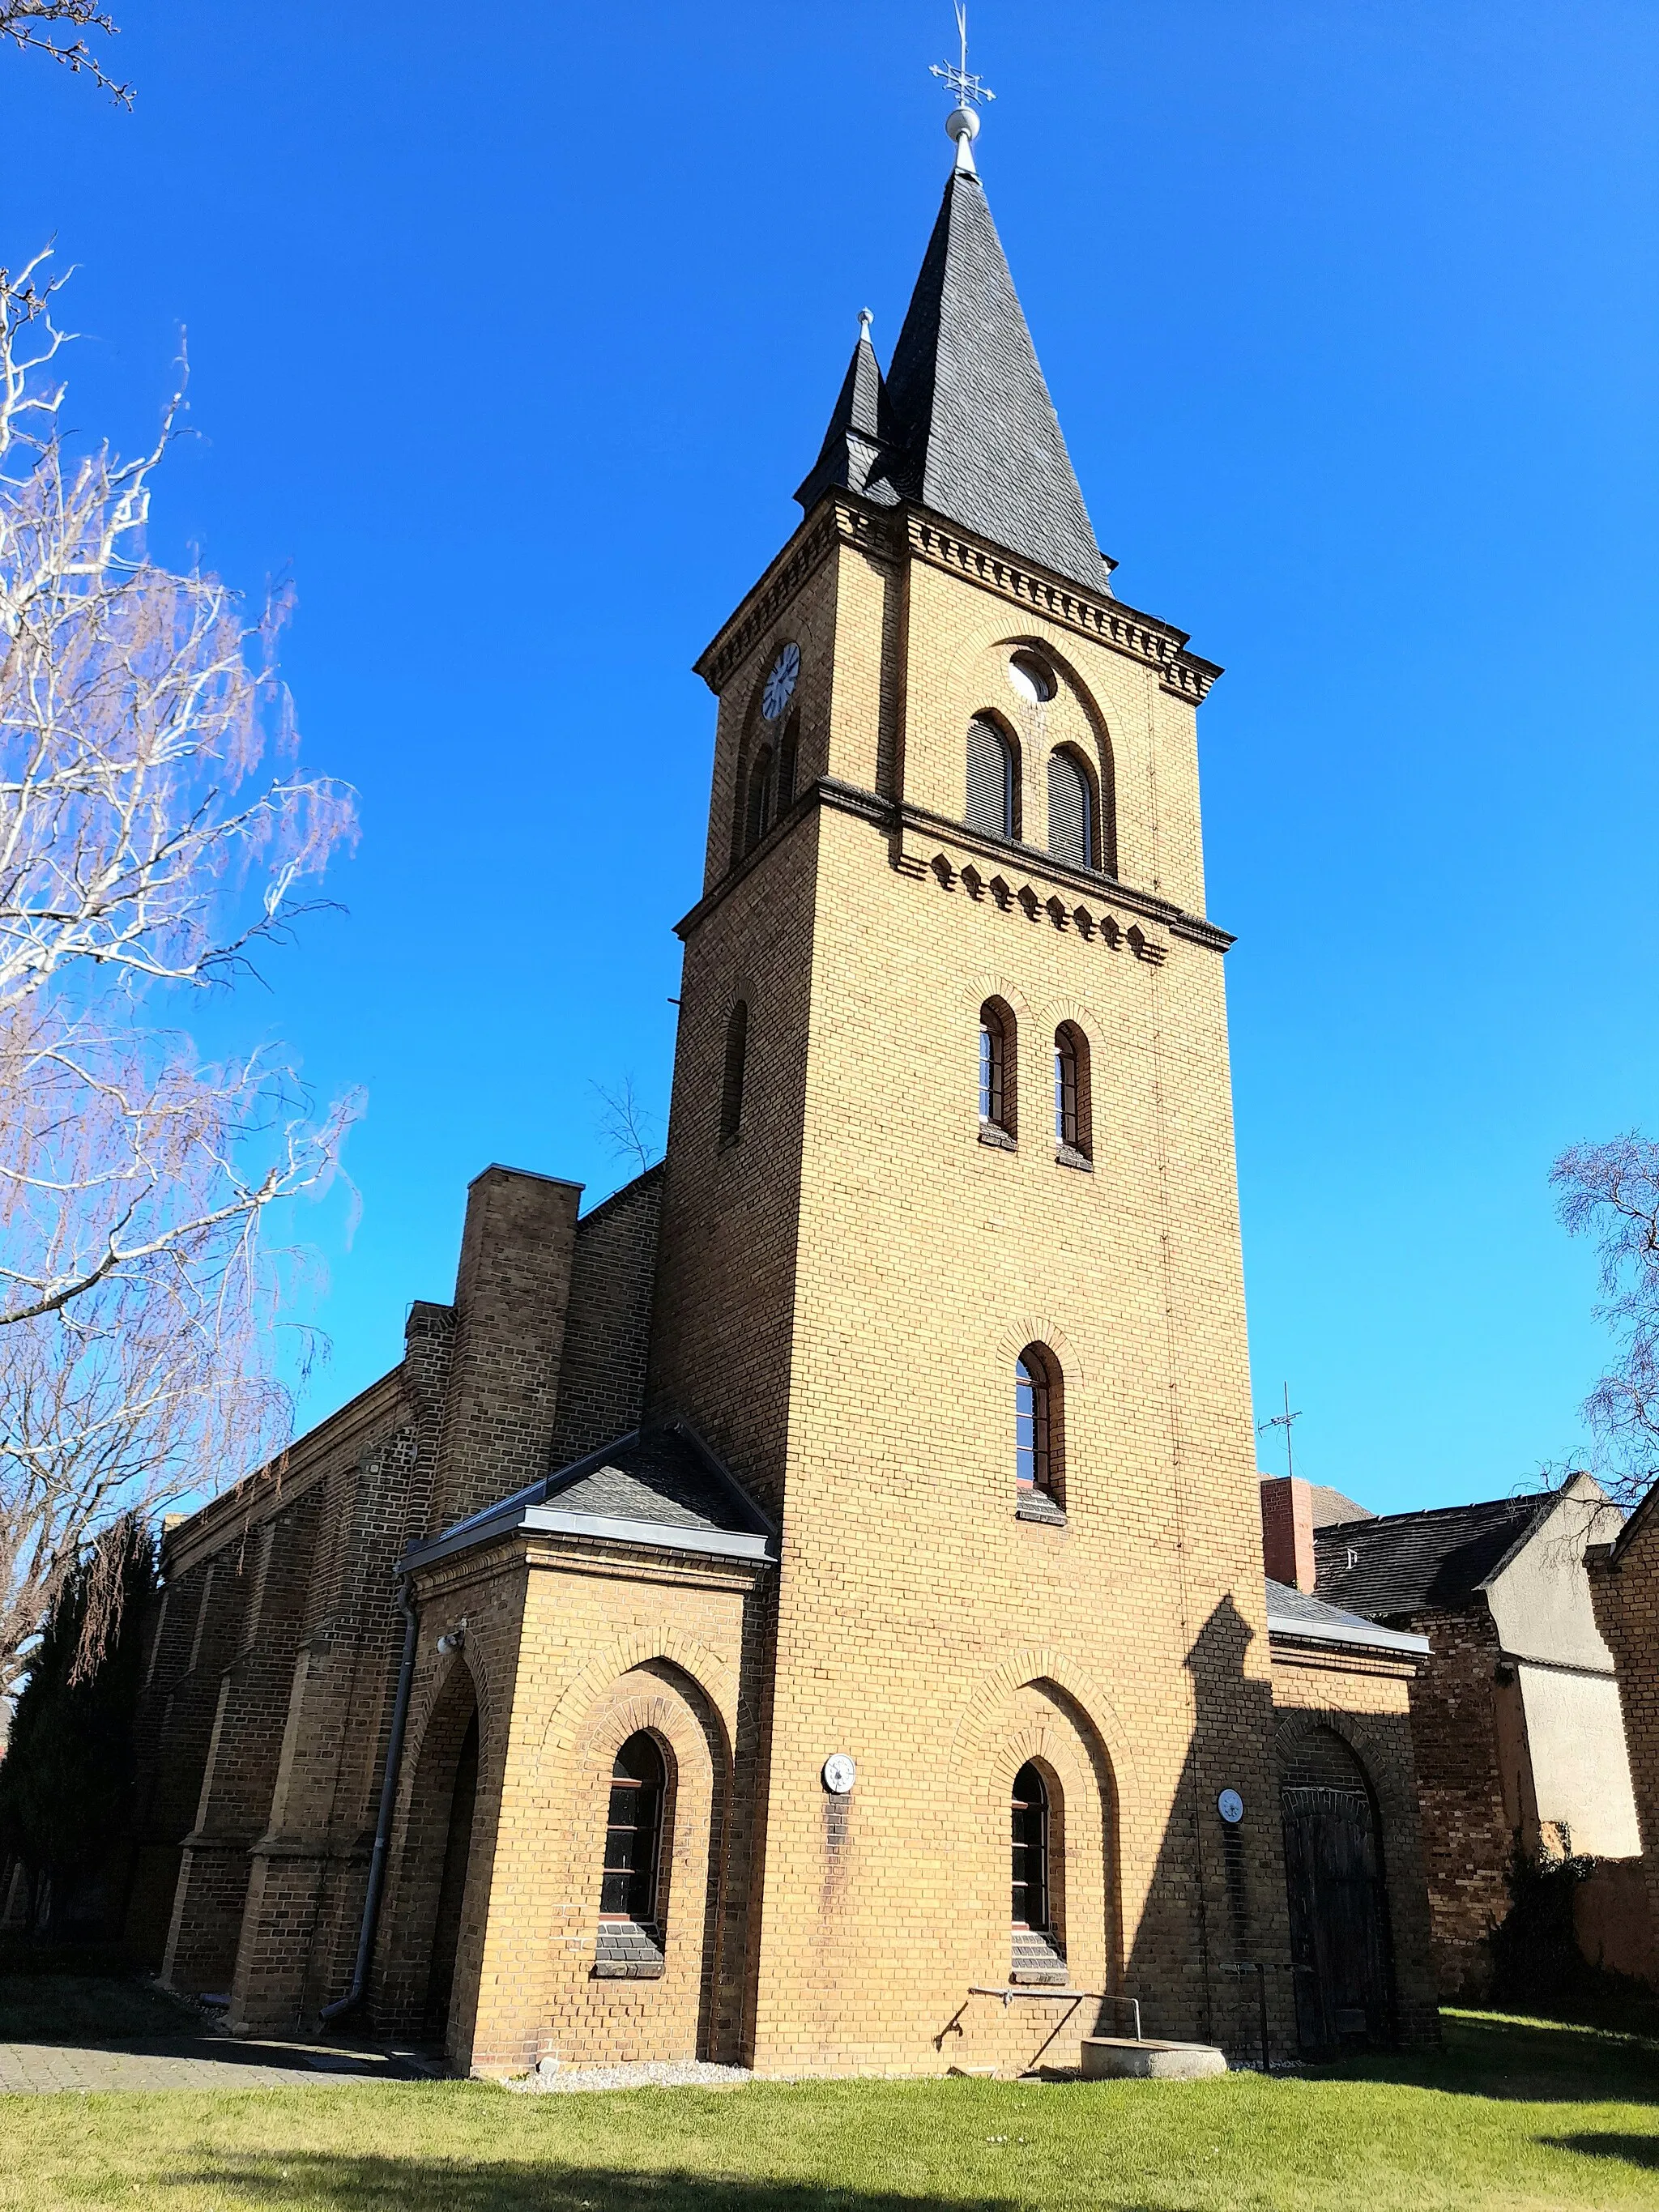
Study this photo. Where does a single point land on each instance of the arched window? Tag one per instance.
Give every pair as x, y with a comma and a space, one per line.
992, 787
757, 819
736, 1054
1074, 1116
1039, 1427
997, 1087
633, 1833
788, 747
1071, 810
1030, 1850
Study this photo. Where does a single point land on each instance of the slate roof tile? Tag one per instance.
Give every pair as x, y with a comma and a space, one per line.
964, 423
1409, 1562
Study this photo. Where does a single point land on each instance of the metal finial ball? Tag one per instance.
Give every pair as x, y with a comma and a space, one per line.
962, 123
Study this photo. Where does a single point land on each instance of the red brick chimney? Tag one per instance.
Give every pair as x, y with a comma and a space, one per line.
1288, 1530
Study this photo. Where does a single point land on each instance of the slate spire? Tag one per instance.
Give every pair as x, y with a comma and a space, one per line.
854, 444
964, 423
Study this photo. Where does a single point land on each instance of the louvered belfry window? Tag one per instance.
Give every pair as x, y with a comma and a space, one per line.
632, 1826
1071, 811
990, 780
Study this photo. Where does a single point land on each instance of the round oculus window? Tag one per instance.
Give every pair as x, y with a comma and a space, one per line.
1032, 678
780, 682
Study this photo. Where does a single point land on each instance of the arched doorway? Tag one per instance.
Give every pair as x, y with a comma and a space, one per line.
1339, 1945
451, 1887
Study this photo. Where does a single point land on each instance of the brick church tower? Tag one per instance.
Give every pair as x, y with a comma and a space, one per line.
808, 1611
951, 1269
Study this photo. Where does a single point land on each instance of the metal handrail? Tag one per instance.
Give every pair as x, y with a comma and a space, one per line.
1067, 1996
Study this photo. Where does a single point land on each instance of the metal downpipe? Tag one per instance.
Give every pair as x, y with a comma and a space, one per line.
354, 1995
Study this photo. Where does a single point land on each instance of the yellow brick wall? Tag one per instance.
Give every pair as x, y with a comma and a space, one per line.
841, 1300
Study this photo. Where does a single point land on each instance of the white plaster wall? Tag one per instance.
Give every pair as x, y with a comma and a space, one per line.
1541, 1601
1579, 1768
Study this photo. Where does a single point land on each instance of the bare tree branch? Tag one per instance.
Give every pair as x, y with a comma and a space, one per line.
154, 831
1610, 1191
626, 1125
25, 23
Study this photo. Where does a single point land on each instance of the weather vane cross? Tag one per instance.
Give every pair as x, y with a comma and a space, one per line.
969, 90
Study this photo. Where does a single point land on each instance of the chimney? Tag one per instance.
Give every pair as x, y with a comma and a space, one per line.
511, 1291
1288, 1530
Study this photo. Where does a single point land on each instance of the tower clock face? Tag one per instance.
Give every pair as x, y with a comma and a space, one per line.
780, 682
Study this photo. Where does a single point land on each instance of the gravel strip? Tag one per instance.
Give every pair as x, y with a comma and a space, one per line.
642, 2073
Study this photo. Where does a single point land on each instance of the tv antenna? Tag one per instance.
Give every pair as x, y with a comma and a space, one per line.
1287, 1421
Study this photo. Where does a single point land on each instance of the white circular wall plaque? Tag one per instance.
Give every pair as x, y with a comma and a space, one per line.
839, 1773
1230, 1806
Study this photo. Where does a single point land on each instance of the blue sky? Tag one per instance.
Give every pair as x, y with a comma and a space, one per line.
510, 336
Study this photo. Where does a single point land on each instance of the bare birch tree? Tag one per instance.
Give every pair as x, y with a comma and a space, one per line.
147, 851
38, 26
1611, 1191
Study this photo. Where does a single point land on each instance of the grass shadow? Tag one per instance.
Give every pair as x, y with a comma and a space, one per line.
372, 2184
1498, 2055
1639, 2151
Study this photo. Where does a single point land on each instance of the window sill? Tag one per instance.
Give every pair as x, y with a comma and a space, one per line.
1034, 1506
993, 1133
628, 1951
1068, 1155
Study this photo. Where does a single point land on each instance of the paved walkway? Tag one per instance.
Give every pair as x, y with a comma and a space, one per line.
197, 2062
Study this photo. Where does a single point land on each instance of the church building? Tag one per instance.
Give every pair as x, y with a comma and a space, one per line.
808, 1611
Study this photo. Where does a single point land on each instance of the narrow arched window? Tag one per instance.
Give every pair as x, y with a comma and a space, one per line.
996, 1068
991, 806
1071, 810
788, 748
633, 1833
1038, 1424
736, 1055
1073, 1115
758, 818
1030, 1850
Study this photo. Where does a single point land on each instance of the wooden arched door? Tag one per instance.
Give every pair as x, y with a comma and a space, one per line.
1340, 1945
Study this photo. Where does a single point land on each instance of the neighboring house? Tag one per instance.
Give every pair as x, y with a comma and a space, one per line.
1515, 1718
1623, 1580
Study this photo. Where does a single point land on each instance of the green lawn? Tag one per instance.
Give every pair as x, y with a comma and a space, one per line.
1512, 2114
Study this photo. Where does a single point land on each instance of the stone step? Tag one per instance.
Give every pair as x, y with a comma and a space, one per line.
1120, 2058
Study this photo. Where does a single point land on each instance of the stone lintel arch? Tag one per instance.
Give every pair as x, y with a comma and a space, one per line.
1076, 1011
1042, 1328
1392, 1784
972, 1746
992, 983
712, 1674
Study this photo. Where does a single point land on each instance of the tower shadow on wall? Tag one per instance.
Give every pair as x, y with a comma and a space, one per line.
1216, 1909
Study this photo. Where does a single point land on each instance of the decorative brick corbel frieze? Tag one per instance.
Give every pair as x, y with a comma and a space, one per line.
1141, 637
833, 521
1144, 943
915, 837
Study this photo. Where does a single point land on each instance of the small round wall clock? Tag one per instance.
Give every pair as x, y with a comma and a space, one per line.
780, 682
839, 1774
1230, 1806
